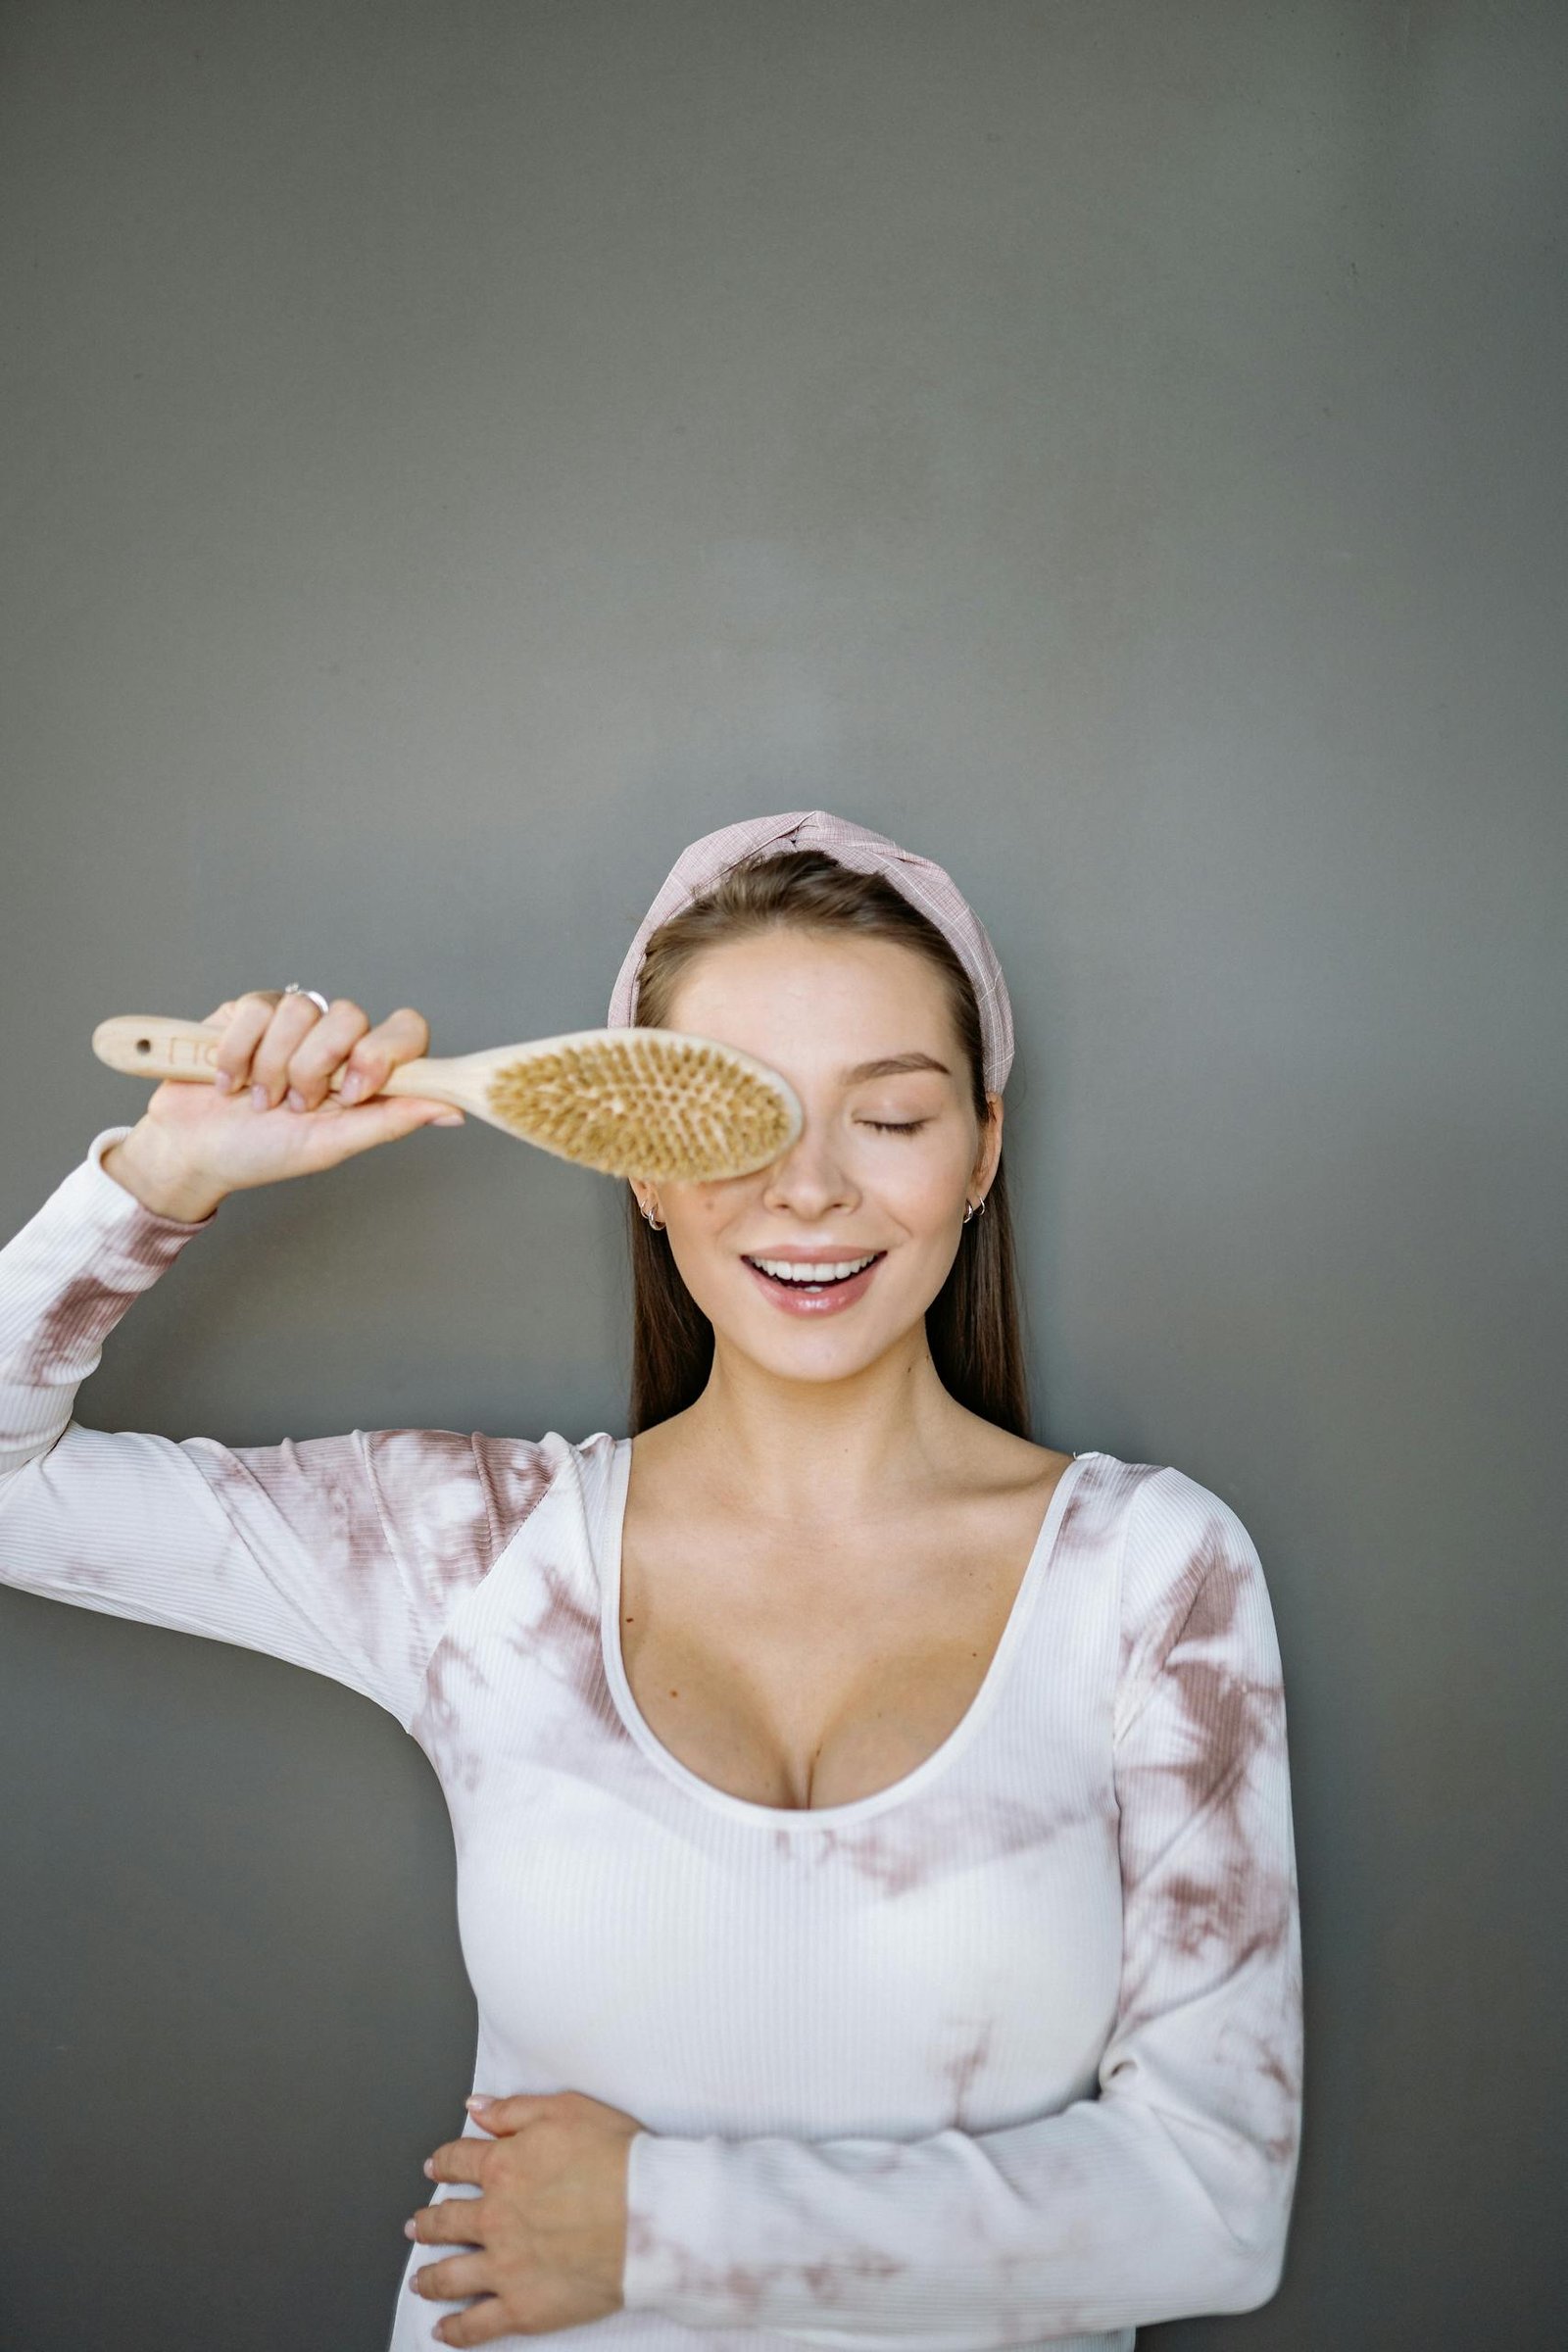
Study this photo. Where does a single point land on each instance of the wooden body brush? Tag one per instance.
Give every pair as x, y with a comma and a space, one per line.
649, 1102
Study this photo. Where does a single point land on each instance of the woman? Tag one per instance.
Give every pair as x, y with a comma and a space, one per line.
875, 1866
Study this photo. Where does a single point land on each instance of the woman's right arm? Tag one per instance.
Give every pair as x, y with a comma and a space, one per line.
344, 1555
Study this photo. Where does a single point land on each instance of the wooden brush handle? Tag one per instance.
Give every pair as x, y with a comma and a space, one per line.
153, 1047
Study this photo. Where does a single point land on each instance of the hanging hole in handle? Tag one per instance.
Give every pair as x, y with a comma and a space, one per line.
144, 1045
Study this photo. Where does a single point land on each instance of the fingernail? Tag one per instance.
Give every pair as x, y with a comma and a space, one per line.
478, 2100
353, 1087
428, 2168
222, 1083
448, 1118
296, 1101
260, 1098
409, 2230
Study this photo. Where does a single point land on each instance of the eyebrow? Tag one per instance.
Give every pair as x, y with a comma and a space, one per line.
893, 1065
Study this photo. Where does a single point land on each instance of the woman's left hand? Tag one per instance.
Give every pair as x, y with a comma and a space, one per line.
549, 2222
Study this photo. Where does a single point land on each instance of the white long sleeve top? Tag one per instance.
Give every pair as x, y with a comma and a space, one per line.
1007, 2053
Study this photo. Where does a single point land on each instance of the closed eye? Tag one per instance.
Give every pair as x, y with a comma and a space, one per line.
897, 1127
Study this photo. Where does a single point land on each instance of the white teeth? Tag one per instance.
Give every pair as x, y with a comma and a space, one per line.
791, 1270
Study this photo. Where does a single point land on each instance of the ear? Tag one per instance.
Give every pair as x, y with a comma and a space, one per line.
985, 1166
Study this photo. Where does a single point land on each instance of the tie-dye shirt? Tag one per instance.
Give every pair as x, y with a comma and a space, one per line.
1006, 2053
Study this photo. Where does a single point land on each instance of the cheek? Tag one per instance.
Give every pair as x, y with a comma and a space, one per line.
922, 1189
708, 1215
702, 1221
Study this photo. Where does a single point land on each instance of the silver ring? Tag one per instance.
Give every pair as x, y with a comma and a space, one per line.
294, 990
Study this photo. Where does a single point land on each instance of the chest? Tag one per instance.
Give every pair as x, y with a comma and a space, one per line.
802, 1689
948, 1956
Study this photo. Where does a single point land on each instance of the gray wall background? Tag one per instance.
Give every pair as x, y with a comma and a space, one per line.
455, 452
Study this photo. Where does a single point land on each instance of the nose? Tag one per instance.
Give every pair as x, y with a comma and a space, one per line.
810, 1180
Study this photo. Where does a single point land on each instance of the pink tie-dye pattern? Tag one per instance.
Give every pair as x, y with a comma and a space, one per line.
1010, 2054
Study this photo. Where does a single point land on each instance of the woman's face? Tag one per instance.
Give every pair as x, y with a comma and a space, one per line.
888, 1154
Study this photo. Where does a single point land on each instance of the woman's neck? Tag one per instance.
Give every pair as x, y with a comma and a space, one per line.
796, 1450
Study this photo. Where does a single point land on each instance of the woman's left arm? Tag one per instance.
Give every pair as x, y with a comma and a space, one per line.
1166, 2195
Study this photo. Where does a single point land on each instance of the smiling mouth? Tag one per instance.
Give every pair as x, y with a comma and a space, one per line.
823, 1275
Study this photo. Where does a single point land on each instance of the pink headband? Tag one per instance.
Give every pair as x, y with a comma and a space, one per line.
926, 886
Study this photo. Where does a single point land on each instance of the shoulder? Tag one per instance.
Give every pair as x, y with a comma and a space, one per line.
449, 1491
988, 1460
1191, 1577
1178, 1526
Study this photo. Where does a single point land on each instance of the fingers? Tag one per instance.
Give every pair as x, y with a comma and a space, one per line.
329, 1040
383, 1119
243, 1034
402, 1036
512, 2113
292, 1021
455, 2221
459, 2160
482, 2323
284, 1048
458, 2275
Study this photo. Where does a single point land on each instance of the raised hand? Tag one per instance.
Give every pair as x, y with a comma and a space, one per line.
270, 1114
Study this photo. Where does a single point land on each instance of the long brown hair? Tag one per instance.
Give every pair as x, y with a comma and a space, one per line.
972, 1325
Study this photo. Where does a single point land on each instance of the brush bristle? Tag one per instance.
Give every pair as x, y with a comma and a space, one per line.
640, 1104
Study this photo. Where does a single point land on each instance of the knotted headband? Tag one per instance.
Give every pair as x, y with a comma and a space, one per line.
926, 886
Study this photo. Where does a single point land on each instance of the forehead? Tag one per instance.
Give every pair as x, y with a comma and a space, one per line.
820, 995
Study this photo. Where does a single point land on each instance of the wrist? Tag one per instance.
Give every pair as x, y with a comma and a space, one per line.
166, 1192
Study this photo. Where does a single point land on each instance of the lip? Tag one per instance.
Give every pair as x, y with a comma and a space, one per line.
811, 1302
812, 1254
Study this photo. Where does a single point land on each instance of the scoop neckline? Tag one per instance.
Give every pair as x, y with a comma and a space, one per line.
612, 1520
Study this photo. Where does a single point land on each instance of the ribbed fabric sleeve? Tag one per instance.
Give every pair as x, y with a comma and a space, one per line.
1007, 2053
1167, 2194
343, 1555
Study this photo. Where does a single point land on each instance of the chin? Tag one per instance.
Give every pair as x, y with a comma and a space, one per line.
819, 1365
816, 1352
